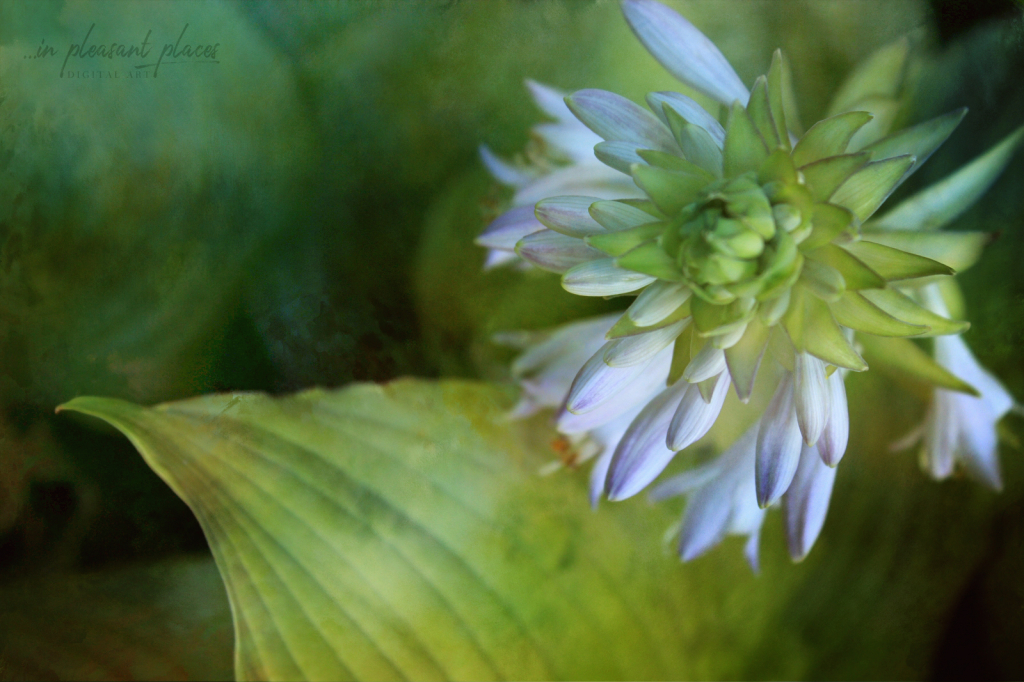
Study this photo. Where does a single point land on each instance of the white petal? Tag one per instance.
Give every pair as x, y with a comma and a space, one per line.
593, 179
497, 257
641, 454
631, 350
598, 383
952, 353
689, 110
833, 441
602, 278
729, 339
598, 475
657, 302
751, 550
572, 140
634, 395
569, 215
807, 502
566, 342
684, 51
940, 437
979, 443
618, 155
706, 519
778, 445
616, 119
708, 362
694, 418
550, 100
503, 171
812, 395
555, 252
507, 229
686, 482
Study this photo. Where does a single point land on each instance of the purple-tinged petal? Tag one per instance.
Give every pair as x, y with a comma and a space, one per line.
549, 100
631, 350
641, 454
569, 215
694, 418
634, 395
617, 119
708, 362
603, 278
833, 441
503, 171
812, 396
507, 229
778, 445
591, 178
806, 502
618, 155
689, 110
657, 302
684, 51
555, 252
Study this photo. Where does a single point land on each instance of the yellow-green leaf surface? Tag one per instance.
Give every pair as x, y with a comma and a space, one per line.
403, 532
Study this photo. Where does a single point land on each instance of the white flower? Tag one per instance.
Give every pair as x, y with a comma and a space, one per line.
564, 164
960, 429
745, 241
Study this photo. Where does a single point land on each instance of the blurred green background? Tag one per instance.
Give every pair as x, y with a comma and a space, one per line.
302, 213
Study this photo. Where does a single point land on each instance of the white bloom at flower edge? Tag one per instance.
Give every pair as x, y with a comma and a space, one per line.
567, 166
960, 429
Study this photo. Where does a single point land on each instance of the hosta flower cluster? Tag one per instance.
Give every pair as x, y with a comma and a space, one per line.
752, 249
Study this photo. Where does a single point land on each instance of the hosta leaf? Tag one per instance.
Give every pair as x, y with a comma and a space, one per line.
943, 201
744, 149
904, 358
829, 137
956, 250
864, 191
893, 264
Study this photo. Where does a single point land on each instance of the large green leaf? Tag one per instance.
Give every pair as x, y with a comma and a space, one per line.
403, 532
